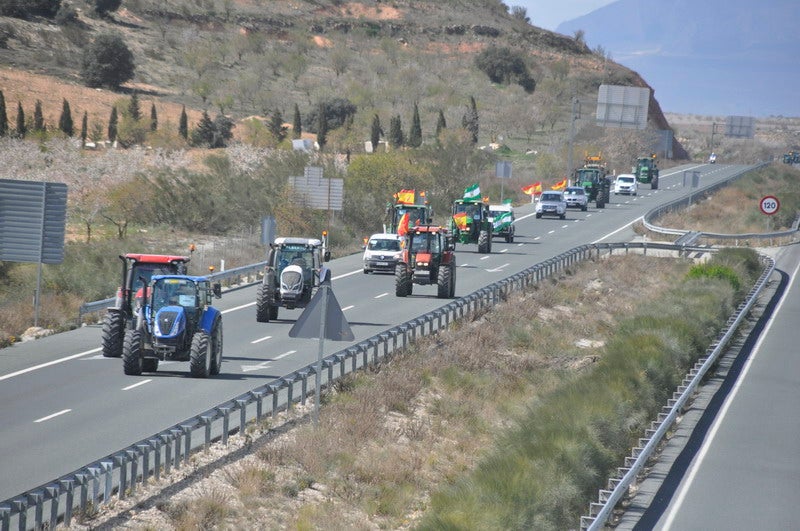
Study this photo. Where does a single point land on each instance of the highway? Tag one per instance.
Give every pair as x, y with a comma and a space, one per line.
62, 405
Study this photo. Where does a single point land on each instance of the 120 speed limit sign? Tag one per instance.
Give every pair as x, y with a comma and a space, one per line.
769, 204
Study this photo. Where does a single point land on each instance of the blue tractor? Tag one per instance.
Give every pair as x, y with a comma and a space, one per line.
176, 323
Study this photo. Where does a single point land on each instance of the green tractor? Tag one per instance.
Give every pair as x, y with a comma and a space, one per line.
471, 223
593, 178
646, 171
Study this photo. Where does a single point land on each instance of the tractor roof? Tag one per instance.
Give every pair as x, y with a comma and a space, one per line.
310, 242
155, 258
427, 228
179, 277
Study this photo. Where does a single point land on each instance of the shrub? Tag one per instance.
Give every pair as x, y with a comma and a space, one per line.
715, 271
107, 61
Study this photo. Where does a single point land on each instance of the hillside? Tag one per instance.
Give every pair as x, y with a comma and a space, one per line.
246, 58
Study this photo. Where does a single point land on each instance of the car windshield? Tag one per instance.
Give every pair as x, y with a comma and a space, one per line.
174, 292
625, 179
575, 191
384, 245
551, 197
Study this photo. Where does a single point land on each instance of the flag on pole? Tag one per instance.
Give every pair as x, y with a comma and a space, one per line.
560, 185
405, 197
402, 225
533, 189
460, 220
473, 193
501, 221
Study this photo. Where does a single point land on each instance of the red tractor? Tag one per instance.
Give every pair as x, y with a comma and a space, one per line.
428, 257
137, 269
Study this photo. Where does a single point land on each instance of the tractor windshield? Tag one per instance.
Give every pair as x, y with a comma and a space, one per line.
302, 257
416, 215
473, 210
174, 292
425, 242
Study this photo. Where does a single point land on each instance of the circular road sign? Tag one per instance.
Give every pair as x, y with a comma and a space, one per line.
769, 204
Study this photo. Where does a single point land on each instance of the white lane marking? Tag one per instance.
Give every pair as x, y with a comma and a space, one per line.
565, 226
265, 363
484, 257
551, 232
48, 417
521, 244
381, 295
287, 353
504, 250
347, 308
463, 265
49, 363
137, 384
498, 268
537, 238
259, 340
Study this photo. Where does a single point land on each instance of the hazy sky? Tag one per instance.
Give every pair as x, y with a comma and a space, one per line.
548, 14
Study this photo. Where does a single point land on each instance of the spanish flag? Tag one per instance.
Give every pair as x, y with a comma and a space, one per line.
460, 220
405, 197
402, 225
560, 185
533, 189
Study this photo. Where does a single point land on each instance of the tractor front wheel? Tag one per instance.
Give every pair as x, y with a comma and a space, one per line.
200, 355
262, 304
216, 347
150, 364
484, 242
113, 334
402, 280
132, 362
445, 282
654, 183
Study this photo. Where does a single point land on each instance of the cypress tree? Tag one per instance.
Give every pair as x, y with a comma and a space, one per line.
470, 120
84, 127
183, 125
297, 125
112, 125
441, 125
205, 134
133, 107
65, 121
375, 132
415, 135
396, 137
276, 126
38, 117
21, 129
322, 127
3, 116
153, 118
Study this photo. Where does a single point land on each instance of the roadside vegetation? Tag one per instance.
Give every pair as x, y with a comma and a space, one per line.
510, 420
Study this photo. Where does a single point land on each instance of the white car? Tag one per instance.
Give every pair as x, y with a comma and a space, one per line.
551, 203
625, 184
382, 252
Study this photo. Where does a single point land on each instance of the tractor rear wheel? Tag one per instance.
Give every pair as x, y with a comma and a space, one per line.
132, 362
654, 183
484, 242
262, 304
402, 280
445, 282
453, 279
113, 334
200, 355
149, 364
216, 347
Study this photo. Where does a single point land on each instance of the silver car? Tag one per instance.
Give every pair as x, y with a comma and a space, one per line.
551, 203
575, 196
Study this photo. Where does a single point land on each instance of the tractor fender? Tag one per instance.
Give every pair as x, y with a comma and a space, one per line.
210, 314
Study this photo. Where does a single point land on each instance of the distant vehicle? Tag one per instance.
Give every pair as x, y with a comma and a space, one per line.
646, 171
575, 196
625, 184
712, 159
502, 218
382, 252
427, 259
551, 203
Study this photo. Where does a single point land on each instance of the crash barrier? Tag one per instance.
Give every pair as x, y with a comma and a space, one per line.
121, 473
632, 472
238, 276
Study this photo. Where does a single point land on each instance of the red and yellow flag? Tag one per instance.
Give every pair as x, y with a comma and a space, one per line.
405, 197
560, 185
533, 189
460, 220
402, 225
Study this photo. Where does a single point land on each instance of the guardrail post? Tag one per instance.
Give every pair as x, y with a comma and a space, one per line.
259, 397
144, 450
226, 423
21, 505
303, 373
53, 493
68, 485
205, 420
83, 480
187, 441
5, 517
176, 433
35, 498
133, 455
156, 444
242, 405
108, 471
167, 438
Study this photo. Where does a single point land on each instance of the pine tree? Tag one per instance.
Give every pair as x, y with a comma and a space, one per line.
470, 120
133, 107
375, 132
322, 127
183, 125
153, 118
396, 138
112, 125
38, 117
415, 135
21, 129
84, 127
65, 121
441, 125
3, 116
297, 125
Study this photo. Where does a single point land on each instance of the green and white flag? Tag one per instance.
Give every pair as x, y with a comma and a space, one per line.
472, 193
502, 220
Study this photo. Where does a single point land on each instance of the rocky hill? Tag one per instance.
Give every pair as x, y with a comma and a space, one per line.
249, 57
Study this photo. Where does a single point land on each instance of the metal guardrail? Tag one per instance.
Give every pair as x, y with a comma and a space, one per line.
121, 473
238, 276
628, 475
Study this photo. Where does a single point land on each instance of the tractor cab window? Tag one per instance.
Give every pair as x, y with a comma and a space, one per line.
416, 216
473, 210
174, 292
426, 242
300, 257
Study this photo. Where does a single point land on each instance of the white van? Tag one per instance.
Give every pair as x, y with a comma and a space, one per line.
382, 252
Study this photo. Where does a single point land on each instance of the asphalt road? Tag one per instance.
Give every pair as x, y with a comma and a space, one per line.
62, 405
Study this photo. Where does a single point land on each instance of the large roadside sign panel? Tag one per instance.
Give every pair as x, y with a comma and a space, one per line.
32, 220
621, 106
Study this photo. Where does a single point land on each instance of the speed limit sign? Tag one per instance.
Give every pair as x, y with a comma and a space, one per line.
769, 204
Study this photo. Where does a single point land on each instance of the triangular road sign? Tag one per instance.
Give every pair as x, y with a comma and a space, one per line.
336, 326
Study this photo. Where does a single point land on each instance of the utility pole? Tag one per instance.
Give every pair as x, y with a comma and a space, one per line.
576, 114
